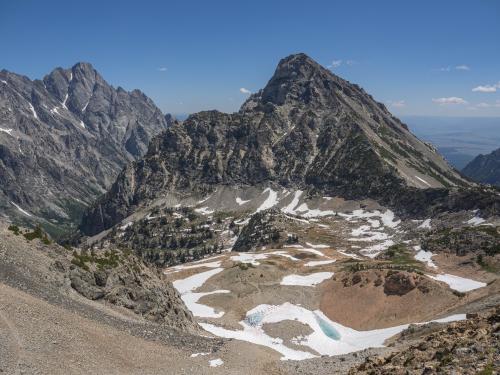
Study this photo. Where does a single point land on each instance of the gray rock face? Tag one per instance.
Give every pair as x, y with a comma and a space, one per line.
64, 139
485, 168
131, 284
307, 129
267, 227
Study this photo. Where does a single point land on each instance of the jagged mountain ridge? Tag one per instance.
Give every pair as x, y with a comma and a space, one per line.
485, 168
64, 139
308, 129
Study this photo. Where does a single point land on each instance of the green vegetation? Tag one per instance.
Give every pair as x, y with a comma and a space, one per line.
109, 259
38, 233
400, 255
488, 370
15, 229
485, 265
245, 266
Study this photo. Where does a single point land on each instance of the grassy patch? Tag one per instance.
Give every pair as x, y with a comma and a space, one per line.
400, 255
38, 233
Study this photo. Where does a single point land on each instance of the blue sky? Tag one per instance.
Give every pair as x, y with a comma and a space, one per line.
419, 57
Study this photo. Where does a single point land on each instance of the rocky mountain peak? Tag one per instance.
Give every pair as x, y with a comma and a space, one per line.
299, 81
73, 131
306, 129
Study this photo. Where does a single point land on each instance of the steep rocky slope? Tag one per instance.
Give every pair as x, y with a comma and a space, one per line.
468, 347
307, 129
64, 139
485, 168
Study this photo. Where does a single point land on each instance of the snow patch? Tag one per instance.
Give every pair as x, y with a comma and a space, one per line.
33, 110
216, 362
204, 210
271, 200
186, 286
460, 284
294, 203
8, 131
476, 220
241, 201
21, 210
422, 180
65, 100
306, 280
305, 211
314, 263
194, 355
328, 337
425, 225
424, 257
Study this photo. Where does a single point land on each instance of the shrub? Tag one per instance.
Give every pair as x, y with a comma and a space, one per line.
14, 228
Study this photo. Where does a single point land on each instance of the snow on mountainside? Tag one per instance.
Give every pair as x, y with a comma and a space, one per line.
64, 139
308, 129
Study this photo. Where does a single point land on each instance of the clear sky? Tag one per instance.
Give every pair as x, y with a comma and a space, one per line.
439, 57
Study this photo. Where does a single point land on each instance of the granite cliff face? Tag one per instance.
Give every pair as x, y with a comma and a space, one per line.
64, 139
307, 129
485, 168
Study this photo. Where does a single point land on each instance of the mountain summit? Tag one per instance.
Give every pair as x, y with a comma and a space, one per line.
64, 139
307, 129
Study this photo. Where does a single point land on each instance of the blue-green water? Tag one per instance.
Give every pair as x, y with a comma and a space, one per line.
327, 329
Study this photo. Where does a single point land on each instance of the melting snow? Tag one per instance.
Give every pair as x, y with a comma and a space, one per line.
328, 337
307, 280
204, 210
65, 100
319, 262
318, 246
194, 355
241, 201
21, 210
425, 225
424, 256
216, 362
295, 201
3, 81
458, 283
476, 220
248, 258
8, 131
271, 200
82, 124
33, 110
422, 180
354, 256
305, 211
85, 106
186, 287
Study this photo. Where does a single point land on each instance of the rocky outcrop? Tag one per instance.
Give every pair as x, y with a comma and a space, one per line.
307, 129
64, 139
466, 240
265, 228
466, 347
485, 168
123, 280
